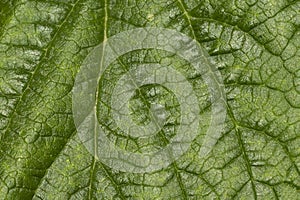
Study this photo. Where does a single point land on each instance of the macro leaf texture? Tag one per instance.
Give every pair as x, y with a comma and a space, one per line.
254, 44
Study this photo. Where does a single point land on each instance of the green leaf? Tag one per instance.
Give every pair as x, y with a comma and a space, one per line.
254, 44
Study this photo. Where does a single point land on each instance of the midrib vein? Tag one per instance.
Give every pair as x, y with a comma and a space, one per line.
186, 14
95, 158
105, 20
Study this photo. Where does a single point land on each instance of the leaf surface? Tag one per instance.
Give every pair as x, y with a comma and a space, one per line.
255, 45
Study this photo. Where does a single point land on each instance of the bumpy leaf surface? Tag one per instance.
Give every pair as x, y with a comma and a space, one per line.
255, 44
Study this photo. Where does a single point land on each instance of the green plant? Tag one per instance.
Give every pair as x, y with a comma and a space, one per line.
255, 45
